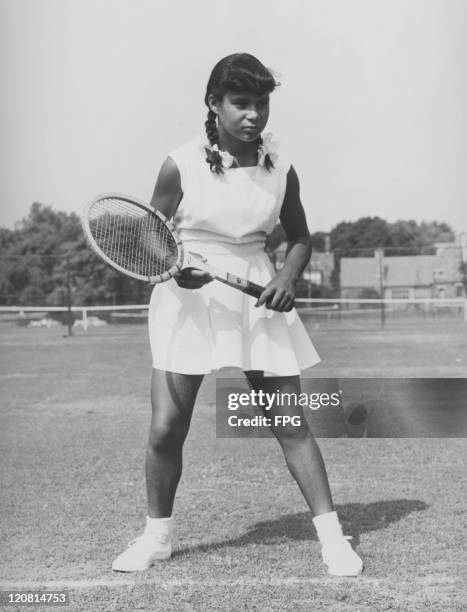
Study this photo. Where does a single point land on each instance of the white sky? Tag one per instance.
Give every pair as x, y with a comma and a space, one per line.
372, 107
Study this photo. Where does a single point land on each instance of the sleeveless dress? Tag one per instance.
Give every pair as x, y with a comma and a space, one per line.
226, 218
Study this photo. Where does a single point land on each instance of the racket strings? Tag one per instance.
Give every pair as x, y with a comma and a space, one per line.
132, 237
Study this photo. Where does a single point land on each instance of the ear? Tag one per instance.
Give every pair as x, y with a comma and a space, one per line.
213, 104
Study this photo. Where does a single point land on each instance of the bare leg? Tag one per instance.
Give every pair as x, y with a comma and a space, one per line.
301, 451
173, 397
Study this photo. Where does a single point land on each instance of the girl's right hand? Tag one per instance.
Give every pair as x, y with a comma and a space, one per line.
191, 278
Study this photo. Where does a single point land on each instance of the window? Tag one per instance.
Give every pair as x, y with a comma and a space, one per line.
400, 294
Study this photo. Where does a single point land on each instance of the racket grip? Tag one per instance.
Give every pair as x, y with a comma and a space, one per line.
253, 289
241, 284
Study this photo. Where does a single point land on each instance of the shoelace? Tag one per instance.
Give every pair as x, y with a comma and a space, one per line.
132, 542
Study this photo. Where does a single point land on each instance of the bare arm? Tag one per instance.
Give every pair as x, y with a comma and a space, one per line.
280, 292
293, 221
168, 190
166, 198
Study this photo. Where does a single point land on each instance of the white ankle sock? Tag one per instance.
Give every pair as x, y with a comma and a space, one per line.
158, 526
328, 526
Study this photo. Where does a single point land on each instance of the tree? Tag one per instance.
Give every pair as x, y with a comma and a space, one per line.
43, 250
360, 238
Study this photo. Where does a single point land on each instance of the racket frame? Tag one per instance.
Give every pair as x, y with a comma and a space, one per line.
154, 279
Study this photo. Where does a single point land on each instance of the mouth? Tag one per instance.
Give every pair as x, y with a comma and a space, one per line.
249, 129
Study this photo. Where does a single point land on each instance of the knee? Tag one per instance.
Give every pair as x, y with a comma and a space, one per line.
166, 435
290, 435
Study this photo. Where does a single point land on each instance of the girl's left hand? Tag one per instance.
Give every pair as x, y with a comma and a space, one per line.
278, 295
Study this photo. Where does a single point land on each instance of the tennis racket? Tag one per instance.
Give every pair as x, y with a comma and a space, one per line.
140, 242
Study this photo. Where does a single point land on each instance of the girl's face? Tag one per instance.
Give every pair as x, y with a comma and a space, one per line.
241, 115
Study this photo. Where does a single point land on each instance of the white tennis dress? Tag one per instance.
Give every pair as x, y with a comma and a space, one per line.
226, 218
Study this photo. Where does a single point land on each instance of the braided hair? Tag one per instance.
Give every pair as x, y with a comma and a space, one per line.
234, 73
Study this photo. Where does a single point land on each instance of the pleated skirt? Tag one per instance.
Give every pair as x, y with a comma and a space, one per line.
203, 330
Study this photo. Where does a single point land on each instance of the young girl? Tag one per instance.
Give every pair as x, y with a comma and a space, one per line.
226, 191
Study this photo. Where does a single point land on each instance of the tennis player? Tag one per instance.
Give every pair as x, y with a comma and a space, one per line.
226, 190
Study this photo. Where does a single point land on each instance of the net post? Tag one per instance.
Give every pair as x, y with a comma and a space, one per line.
85, 319
379, 256
68, 297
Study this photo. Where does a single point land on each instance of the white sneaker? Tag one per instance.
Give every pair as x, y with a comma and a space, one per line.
142, 552
341, 558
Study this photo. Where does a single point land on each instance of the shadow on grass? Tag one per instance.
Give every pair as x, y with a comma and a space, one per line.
355, 518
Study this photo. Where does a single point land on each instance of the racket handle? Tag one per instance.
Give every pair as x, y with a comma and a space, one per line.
240, 283
253, 289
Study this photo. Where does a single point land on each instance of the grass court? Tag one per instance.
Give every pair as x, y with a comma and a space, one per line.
74, 419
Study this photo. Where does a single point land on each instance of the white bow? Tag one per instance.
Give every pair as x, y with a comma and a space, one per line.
227, 159
269, 147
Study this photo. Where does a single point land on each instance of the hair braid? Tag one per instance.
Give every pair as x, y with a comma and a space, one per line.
211, 127
213, 157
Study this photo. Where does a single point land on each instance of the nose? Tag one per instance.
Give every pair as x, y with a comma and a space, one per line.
252, 113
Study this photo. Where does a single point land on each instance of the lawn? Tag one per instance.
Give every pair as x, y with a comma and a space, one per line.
74, 418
